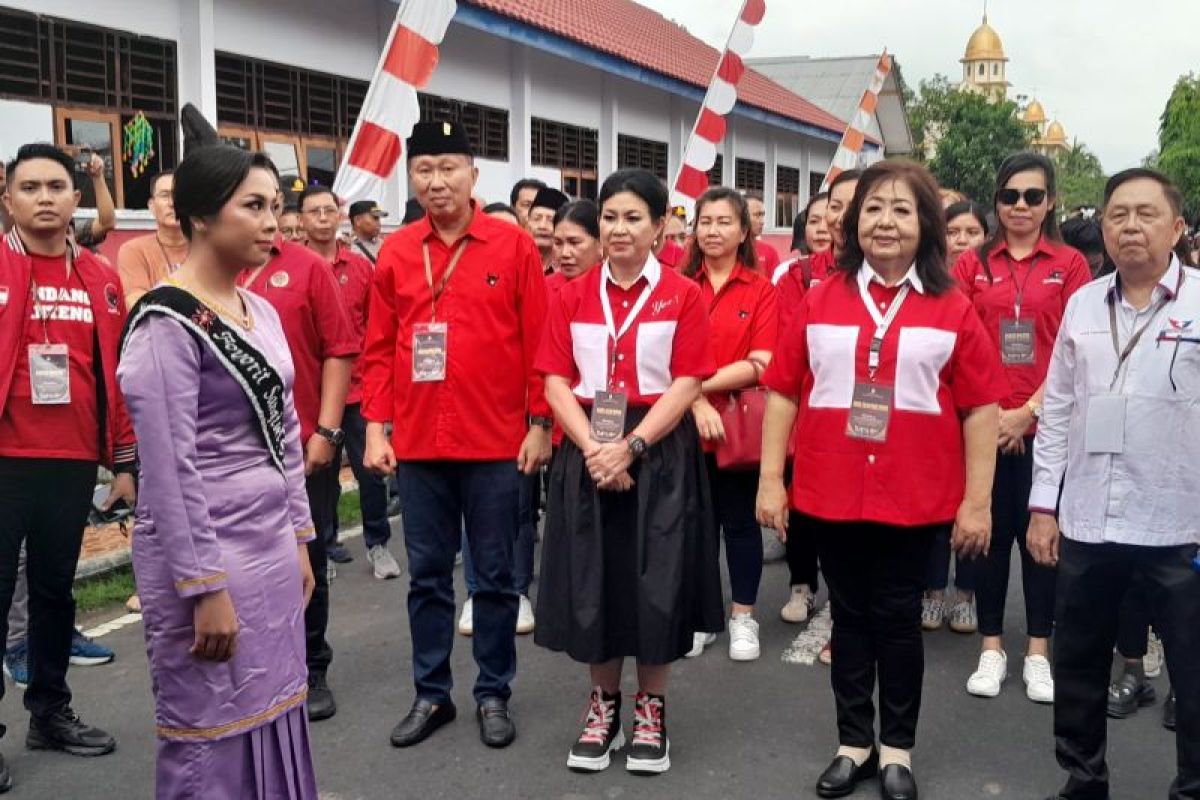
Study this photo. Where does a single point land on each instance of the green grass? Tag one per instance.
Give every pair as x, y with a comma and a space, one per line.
349, 511
112, 588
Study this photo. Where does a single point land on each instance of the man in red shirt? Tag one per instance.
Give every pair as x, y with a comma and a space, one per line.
61, 414
768, 256
302, 289
540, 223
456, 317
320, 216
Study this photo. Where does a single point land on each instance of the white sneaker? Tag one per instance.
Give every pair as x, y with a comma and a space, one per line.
466, 620
525, 616
799, 605
989, 675
699, 642
383, 562
1153, 660
1039, 679
743, 638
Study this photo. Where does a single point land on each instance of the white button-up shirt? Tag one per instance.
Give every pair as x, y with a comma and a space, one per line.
1148, 493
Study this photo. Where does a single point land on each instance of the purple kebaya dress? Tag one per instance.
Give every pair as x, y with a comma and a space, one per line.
215, 512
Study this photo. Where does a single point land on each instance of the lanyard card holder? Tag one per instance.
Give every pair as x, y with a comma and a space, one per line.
429, 352
608, 417
1018, 341
49, 374
1105, 424
870, 412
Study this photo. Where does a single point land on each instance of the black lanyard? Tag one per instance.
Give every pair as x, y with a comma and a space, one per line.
1012, 273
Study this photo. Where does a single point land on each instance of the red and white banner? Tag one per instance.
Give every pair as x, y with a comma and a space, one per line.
846, 156
701, 151
390, 109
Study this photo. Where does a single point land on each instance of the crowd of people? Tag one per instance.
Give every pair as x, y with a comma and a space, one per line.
924, 384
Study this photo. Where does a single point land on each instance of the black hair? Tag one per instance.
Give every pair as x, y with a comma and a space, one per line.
1174, 197
843, 177
746, 255
583, 213
208, 176
1015, 164
36, 150
801, 221
1085, 235
931, 250
640, 182
522, 185
314, 190
290, 208
166, 173
977, 211
499, 207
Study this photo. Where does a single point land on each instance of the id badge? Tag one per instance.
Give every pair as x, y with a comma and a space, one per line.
429, 352
1105, 425
50, 374
870, 412
608, 417
1018, 343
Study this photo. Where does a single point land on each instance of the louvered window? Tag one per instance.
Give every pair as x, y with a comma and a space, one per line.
749, 176
636, 153
787, 196
557, 144
716, 174
486, 127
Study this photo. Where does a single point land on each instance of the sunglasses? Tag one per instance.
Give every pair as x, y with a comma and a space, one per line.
1009, 197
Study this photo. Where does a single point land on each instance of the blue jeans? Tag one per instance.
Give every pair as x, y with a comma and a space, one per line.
526, 539
372, 491
437, 497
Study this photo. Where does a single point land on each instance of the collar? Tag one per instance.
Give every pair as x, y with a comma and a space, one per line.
478, 229
651, 271
739, 272
867, 275
1168, 284
1042, 247
17, 245
277, 245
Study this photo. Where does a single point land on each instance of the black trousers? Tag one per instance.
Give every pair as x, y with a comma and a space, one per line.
734, 493
1093, 580
876, 576
801, 548
1133, 627
45, 504
1010, 522
322, 488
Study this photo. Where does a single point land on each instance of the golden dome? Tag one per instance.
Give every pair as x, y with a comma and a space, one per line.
1056, 133
985, 45
1034, 112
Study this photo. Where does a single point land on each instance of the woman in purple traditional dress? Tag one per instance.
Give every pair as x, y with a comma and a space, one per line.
222, 520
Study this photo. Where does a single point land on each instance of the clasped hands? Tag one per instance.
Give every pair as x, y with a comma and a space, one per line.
608, 464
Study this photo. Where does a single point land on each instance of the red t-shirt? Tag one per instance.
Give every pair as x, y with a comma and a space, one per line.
1046, 278
741, 316
301, 287
61, 315
668, 339
768, 257
938, 361
353, 274
671, 255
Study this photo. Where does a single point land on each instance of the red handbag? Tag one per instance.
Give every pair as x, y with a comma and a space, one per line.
742, 418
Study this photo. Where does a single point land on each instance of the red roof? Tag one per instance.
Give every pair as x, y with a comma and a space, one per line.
644, 37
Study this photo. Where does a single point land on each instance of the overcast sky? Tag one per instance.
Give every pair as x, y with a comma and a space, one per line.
1104, 68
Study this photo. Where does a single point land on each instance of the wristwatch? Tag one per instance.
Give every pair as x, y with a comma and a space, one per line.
637, 446
335, 435
1034, 409
545, 423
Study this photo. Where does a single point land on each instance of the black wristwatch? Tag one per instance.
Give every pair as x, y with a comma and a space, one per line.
335, 435
637, 446
545, 423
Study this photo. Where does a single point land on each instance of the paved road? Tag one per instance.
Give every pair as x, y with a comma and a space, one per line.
759, 730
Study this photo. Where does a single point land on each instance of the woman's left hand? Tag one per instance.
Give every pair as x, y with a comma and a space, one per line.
307, 582
1014, 423
621, 483
972, 535
708, 420
609, 461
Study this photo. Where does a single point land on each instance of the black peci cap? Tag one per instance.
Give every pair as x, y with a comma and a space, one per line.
438, 138
549, 198
366, 207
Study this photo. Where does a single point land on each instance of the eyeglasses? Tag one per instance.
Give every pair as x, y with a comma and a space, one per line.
326, 211
1009, 197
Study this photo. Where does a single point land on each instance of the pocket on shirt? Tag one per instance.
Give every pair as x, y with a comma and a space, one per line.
920, 358
589, 346
831, 356
655, 343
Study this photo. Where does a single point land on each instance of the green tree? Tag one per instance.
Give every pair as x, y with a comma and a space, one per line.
1080, 178
964, 136
1179, 141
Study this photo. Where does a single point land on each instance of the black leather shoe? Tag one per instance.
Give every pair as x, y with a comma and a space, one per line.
495, 727
422, 720
896, 782
63, 730
841, 776
320, 698
1127, 694
1169, 710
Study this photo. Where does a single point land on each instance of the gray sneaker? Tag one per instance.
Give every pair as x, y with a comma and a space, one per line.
963, 618
384, 562
773, 549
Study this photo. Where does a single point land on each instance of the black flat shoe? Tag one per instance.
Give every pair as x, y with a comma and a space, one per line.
495, 727
320, 703
422, 721
842, 775
1127, 695
896, 783
63, 730
1169, 711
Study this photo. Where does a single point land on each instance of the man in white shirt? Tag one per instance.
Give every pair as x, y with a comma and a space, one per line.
1120, 432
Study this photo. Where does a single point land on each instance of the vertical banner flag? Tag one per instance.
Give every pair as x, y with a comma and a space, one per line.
846, 156
701, 151
390, 109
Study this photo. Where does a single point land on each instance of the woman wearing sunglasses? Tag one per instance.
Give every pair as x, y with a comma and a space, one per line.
1019, 281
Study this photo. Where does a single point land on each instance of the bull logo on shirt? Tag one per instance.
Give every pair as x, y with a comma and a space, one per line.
1055, 277
744, 313
343, 278
492, 279
112, 298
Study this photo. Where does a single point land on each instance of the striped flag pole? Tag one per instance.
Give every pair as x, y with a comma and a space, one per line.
390, 108
709, 130
846, 156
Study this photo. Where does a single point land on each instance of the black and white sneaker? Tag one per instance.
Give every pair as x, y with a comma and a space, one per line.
650, 751
601, 735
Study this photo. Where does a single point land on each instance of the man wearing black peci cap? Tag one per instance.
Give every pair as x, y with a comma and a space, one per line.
457, 309
540, 223
364, 219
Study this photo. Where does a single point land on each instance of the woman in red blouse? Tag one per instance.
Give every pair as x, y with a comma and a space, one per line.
629, 559
1019, 282
741, 316
895, 383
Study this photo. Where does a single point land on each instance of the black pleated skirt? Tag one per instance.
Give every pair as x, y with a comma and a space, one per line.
631, 573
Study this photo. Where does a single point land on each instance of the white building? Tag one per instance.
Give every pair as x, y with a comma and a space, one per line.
566, 91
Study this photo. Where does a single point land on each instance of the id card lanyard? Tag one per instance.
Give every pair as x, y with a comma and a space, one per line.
615, 335
609, 407
1019, 289
882, 323
439, 290
1124, 354
430, 346
33, 290
49, 364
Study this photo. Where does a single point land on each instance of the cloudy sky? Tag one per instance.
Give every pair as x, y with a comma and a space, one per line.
1105, 68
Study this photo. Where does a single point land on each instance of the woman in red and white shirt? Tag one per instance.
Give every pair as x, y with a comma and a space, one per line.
896, 384
630, 556
742, 322
1019, 282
